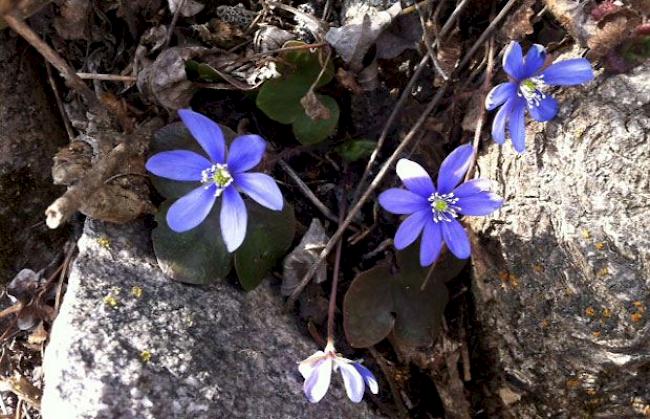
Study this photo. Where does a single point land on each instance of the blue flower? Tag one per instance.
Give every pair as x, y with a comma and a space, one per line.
526, 90
317, 372
223, 174
432, 212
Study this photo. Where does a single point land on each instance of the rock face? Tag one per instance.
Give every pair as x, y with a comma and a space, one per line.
130, 343
30, 134
562, 279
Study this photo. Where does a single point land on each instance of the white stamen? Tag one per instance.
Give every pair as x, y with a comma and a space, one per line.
217, 175
443, 207
532, 89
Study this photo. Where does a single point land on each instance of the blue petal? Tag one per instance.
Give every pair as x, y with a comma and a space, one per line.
545, 111
513, 61
482, 203
178, 165
368, 377
353, 382
500, 120
454, 167
245, 153
190, 210
401, 201
499, 95
410, 229
472, 187
233, 219
534, 61
568, 72
262, 188
206, 132
431, 243
415, 178
456, 239
517, 126
316, 385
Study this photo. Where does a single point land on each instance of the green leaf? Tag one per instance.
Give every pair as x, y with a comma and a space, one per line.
380, 301
176, 137
353, 150
268, 237
308, 131
280, 98
198, 256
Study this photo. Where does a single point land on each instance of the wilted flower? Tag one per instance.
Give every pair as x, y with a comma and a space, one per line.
317, 372
529, 81
433, 212
220, 175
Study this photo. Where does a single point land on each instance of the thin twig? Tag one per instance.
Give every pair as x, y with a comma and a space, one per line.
271, 52
66, 265
170, 30
405, 94
429, 44
410, 136
307, 192
403, 412
20, 27
487, 32
482, 113
107, 77
59, 102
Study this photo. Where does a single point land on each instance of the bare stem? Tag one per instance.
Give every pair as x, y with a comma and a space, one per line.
335, 278
20, 27
106, 77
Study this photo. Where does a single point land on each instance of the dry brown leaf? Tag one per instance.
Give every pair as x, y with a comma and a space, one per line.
518, 24
348, 81
314, 108
609, 36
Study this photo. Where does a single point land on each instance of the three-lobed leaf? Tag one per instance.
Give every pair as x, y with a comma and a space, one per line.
380, 301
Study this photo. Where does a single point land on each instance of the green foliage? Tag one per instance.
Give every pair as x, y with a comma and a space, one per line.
199, 256
380, 301
280, 98
269, 236
353, 150
309, 131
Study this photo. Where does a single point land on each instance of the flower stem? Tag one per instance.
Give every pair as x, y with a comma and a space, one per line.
335, 274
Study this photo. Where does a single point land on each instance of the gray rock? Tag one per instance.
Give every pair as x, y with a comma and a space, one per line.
130, 343
562, 279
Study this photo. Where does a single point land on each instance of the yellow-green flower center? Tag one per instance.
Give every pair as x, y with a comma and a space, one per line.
217, 175
443, 206
221, 177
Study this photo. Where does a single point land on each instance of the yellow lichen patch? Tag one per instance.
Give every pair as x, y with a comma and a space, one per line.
636, 317
596, 333
640, 406
572, 383
508, 279
111, 301
544, 323
586, 234
603, 272
606, 313
639, 306
104, 242
538, 268
600, 245
589, 312
145, 356
136, 292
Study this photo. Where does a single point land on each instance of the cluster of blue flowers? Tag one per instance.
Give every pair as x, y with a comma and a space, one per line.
432, 209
